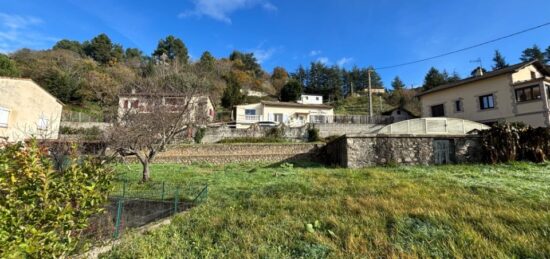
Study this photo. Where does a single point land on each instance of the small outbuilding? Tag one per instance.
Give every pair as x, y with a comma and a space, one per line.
422, 141
400, 114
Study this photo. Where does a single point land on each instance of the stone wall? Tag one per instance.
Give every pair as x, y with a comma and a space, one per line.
231, 153
371, 150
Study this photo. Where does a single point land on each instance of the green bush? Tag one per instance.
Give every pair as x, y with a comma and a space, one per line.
43, 211
199, 135
313, 135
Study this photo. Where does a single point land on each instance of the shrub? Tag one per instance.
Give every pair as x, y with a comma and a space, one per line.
199, 134
277, 132
505, 142
313, 134
43, 211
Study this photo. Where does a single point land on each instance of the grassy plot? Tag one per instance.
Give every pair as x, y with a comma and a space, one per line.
316, 212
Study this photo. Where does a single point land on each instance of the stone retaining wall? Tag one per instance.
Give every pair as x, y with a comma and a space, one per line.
363, 151
231, 153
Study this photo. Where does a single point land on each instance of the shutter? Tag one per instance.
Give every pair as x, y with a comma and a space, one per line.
285, 118
4, 116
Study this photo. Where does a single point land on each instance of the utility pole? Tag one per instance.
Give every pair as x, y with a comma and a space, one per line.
370, 93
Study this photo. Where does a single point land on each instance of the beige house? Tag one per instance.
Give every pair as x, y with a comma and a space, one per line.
292, 114
27, 110
201, 106
518, 93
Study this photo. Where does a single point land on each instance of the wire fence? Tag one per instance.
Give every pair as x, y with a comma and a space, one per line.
133, 205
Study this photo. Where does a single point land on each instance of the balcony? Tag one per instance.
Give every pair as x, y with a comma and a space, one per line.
249, 118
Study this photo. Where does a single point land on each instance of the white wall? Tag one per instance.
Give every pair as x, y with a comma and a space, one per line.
27, 104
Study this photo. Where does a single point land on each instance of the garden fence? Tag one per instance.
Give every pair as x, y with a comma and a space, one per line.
134, 205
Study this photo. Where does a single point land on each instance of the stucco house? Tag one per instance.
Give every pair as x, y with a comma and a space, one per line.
201, 106
27, 110
400, 113
518, 93
289, 113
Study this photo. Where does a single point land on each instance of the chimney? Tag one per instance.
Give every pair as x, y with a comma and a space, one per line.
479, 71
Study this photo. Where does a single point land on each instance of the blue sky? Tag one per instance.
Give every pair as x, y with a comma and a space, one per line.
289, 33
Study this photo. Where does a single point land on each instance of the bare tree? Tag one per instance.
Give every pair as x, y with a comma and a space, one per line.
171, 101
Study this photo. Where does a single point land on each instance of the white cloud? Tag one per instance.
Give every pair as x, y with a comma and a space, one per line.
314, 53
263, 54
323, 60
221, 9
17, 31
343, 61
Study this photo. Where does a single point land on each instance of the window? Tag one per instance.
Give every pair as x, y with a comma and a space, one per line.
249, 112
533, 75
278, 117
486, 102
126, 104
4, 116
458, 105
398, 112
528, 93
438, 110
173, 101
135, 104
42, 123
307, 97
317, 98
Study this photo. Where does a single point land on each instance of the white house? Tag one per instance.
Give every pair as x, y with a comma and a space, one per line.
311, 99
27, 110
292, 114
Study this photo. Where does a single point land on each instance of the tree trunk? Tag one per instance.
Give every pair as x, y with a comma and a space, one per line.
146, 175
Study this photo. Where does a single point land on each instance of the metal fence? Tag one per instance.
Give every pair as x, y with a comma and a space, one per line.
351, 119
134, 204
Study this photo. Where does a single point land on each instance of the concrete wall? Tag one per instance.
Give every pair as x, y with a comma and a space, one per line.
232, 153
357, 152
86, 125
214, 135
28, 103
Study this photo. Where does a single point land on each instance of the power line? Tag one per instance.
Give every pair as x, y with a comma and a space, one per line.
464, 49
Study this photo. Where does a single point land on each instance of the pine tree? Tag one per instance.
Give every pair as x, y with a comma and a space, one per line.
533, 53
499, 60
433, 79
232, 94
100, 48
207, 61
397, 84
547, 60
174, 48
291, 91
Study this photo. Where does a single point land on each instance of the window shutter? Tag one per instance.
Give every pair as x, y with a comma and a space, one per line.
4, 116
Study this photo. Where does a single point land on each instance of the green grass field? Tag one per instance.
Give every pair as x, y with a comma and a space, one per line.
283, 211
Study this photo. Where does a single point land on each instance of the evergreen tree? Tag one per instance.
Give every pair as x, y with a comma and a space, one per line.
71, 45
454, 77
248, 61
291, 91
207, 61
397, 84
533, 53
8, 67
173, 48
547, 54
499, 60
100, 48
433, 79
232, 94
133, 53
474, 72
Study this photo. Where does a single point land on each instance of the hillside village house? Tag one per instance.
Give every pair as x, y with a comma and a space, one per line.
518, 93
400, 114
309, 109
139, 102
27, 110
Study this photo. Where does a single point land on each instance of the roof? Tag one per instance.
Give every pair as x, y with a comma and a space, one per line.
507, 70
388, 112
297, 105
32, 81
